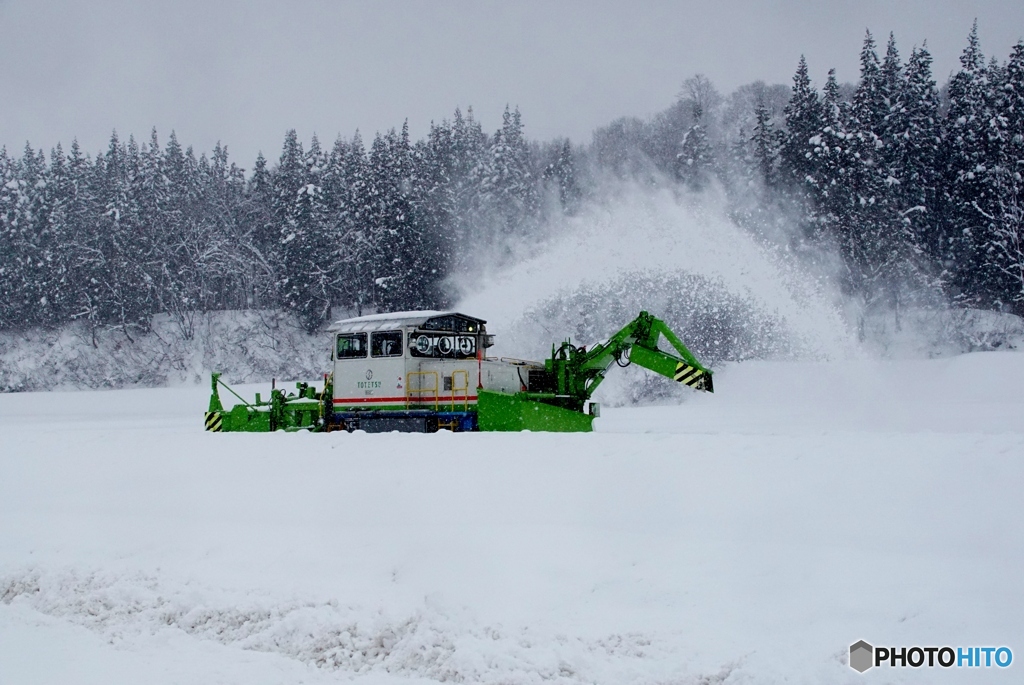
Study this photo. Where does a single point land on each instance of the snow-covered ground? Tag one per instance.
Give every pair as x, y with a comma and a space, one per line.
744, 537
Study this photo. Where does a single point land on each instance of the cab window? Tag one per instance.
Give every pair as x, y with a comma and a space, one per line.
351, 346
386, 344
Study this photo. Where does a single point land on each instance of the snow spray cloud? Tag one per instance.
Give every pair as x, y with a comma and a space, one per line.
633, 243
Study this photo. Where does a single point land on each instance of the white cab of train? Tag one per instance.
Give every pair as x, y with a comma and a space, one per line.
395, 371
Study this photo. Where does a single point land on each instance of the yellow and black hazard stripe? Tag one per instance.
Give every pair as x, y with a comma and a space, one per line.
214, 422
692, 376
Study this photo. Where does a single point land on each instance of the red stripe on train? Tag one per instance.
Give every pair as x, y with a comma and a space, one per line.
403, 400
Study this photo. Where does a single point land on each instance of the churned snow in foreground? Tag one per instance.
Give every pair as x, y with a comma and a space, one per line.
744, 537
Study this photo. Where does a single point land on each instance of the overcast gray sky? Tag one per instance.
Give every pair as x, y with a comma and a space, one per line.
245, 72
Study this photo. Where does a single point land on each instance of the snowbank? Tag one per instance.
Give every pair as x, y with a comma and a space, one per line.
245, 346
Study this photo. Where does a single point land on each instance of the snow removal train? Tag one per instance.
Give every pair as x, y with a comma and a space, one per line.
428, 370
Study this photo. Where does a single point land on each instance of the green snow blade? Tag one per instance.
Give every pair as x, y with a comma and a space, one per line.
498, 411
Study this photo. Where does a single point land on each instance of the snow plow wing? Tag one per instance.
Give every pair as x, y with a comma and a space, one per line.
303, 410
523, 411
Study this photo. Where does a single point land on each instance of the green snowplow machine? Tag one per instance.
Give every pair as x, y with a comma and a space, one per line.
423, 371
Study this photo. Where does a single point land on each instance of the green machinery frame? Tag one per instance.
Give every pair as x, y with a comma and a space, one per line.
303, 410
574, 373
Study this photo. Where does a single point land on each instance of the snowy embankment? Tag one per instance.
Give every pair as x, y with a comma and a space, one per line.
746, 536
245, 346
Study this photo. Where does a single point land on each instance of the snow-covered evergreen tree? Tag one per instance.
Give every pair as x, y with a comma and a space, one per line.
832, 149
765, 144
965, 156
803, 122
1004, 245
860, 221
123, 293
916, 141
342, 182
438, 198
470, 178
303, 217
560, 173
695, 160
27, 240
394, 238
510, 185
58, 286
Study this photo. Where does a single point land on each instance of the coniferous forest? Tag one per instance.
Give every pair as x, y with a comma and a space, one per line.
916, 186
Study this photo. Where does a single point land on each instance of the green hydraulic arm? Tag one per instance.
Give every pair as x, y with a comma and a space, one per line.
578, 371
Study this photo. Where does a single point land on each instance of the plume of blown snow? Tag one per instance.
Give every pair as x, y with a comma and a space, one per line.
633, 242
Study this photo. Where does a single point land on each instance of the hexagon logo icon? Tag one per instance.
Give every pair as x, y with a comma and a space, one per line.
861, 656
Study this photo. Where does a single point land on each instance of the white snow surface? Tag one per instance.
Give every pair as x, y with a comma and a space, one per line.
744, 537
